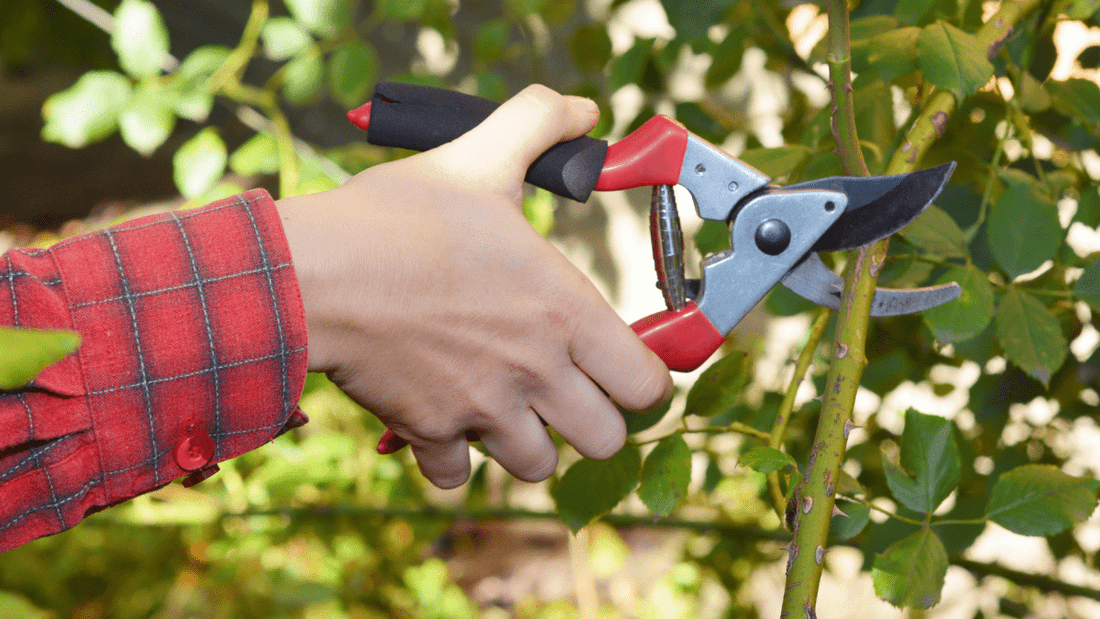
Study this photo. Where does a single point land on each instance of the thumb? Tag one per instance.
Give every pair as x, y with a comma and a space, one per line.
523, 128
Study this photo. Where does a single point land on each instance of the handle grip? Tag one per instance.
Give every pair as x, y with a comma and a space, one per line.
422, 117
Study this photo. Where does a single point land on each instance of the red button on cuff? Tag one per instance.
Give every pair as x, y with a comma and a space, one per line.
194, 451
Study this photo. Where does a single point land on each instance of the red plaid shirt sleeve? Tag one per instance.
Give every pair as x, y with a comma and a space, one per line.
194, 351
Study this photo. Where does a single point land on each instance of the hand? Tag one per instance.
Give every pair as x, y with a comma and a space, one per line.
432, 302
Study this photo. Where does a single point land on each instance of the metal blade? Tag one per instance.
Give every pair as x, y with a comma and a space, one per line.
878, 206
814, 281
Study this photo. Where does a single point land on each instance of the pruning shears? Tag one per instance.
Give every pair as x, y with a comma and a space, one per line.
776, 232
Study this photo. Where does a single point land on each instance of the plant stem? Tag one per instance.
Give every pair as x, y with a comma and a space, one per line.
786, 407
813, 500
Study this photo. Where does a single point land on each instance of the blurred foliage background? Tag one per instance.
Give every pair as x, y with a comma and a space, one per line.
969, 486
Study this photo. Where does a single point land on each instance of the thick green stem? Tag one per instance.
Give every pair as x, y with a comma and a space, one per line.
811, 507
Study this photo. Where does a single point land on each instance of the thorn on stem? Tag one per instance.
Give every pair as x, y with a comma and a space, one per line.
848, 427
807, 504
838, 512
819, 554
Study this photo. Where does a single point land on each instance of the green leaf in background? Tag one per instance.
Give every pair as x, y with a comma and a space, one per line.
851, 524
665, 475
26, 352
140, 38
952, 59
88, 111
1076, 97
193, 101
1082, 9
1039, 499
728, 56
930, 455
402, 10
490, 40
303, 76
14, 606
538, 208
1023, 229
638, 422
323, 17
590, 48
893, 54
148, 118
1088, 208
284, 38
1031, 337
352, 71
936, 232
692, 18
719, 386
766, 460
259, 155
1087, 287
628, 68
591, 488
199, 163
969, 314
777, 162
911, 571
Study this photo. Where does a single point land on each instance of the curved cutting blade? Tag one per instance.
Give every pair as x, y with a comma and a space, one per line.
814, 281
878, 206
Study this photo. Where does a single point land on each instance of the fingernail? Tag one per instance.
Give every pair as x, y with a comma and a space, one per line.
584, 105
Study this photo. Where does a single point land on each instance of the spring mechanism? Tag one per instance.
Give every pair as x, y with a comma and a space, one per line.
668, 246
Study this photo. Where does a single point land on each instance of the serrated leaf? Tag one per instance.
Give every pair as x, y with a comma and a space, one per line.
953, 59
777, 162
1087, 287
766, 460
140, 38
88, 111
1023, 229
259, 155
935, 232
199, 163
969, 314
718, 386
852, 523
352, 71
24, 353
323, 17
1031, 337
1039, 499
284, 38
666, 475
910, 573
148, 119
591, 488
303, 77
930, 457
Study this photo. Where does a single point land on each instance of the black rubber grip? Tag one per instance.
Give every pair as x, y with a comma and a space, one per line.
422, 117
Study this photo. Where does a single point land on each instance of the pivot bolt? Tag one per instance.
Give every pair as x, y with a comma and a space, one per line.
773, 237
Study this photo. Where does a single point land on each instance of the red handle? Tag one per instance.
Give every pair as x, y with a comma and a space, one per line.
651, 155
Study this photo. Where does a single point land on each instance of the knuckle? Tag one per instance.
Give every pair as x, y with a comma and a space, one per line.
539, 469
650, 391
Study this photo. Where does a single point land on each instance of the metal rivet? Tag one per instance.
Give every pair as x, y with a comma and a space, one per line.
733, 186
773, 237
700, 169
830, 206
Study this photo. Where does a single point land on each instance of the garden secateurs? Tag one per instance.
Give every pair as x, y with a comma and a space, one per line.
776, 232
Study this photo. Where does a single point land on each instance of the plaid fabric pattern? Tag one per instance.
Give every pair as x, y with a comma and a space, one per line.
192, 326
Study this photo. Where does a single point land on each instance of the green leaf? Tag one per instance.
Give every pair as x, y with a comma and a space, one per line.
1082, 9
1087, 287
259, 155
1023, 229
15, 606
1031, 337
199, 163
303, 77
490, 40
893, 54
936, 232
969, 314
851, 524
911, 571
591, 488
1088, 208
284, 38
665, 475
766, 460
777, 162
194, 101
1039, 499
140, 38
26, 352
1076, 97
148, 119
718, 386
402, 10
931, 457
692, 18
590, 48
352, 71
88, 111
952, 59
323, 17
713, 237
638, 422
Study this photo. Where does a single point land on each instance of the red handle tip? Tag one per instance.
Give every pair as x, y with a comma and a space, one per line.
360, 116
390, 443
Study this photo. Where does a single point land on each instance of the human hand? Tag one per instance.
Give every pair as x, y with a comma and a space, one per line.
432, 302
